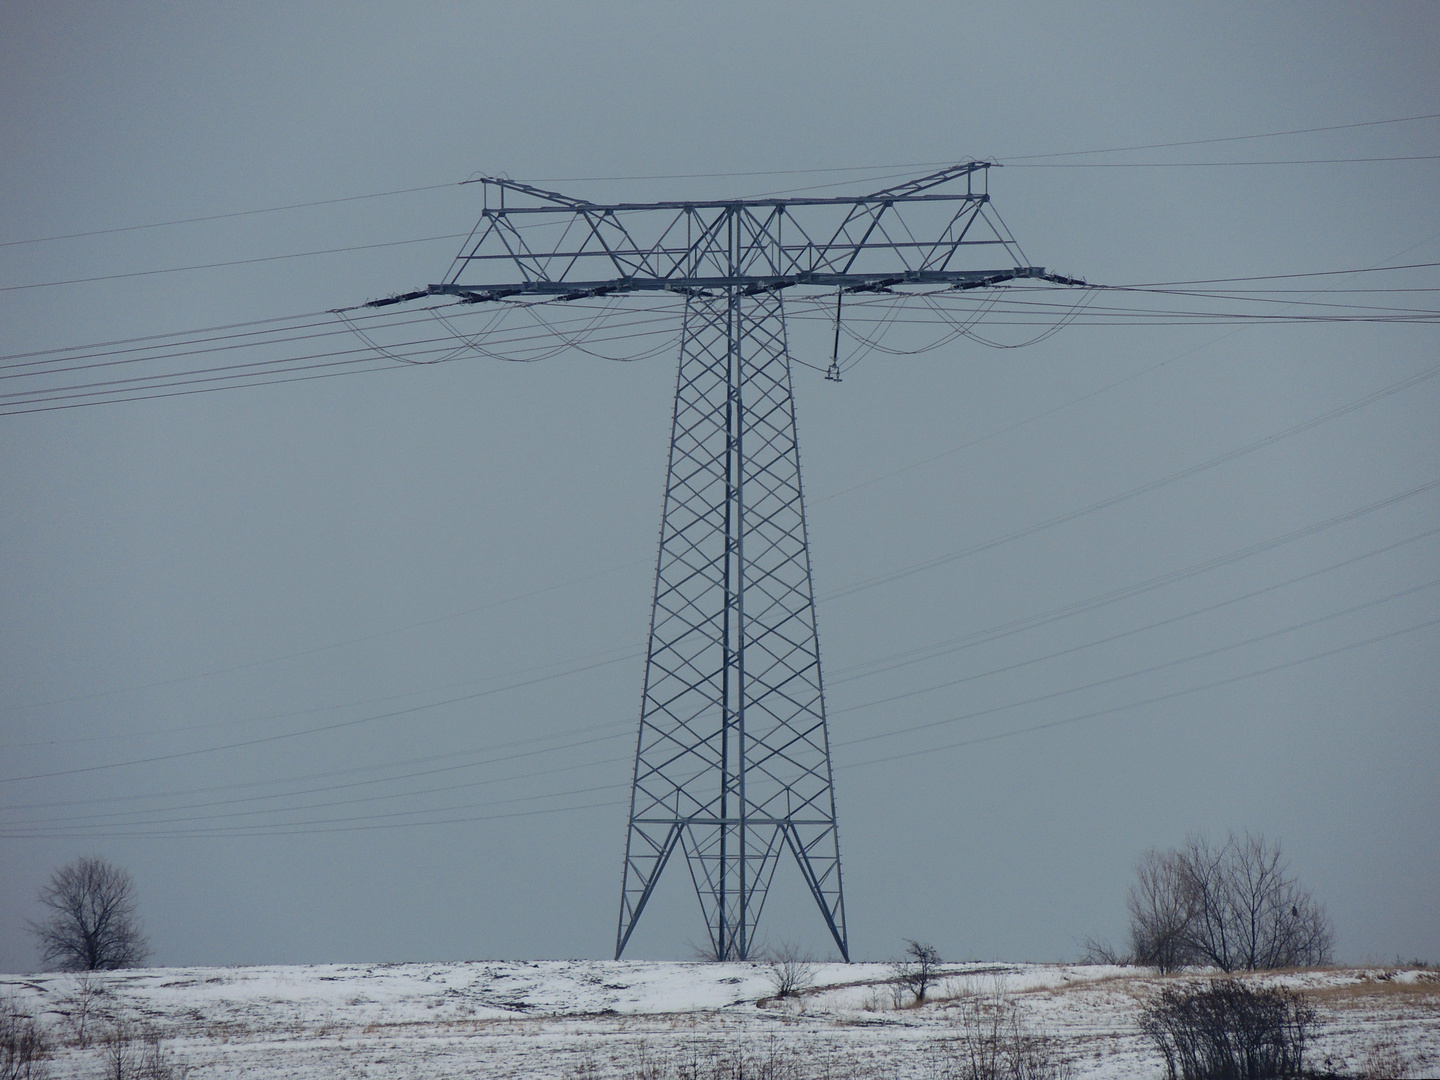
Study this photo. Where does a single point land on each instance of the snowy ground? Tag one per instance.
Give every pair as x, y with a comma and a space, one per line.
576, 1020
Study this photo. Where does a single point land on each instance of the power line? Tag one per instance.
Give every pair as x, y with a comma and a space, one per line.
1081, 607
333, 645
229, 214
1090, 604
1050, 725
1102, 504
1142, 489
1283, 277
230, 376
1114, 678
386, 820
584, 662
261, 373
169, 811
452, 757
700, 176
287, 735
250, 831
229, 262
1216, 164
620, 724
87, 351
1233, 138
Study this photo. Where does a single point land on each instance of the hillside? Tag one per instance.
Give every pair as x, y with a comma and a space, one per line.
583, 1019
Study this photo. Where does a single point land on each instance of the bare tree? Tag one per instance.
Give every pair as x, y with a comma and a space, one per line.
1233, 905
919, 969
1247, 911
89, 922
1159, 912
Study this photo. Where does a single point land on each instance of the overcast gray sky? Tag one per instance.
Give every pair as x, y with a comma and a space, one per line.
196, 572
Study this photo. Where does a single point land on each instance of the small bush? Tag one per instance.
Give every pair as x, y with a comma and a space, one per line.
1384, 1061
1228, 1031
919, 970
792, 972
129, 1055
995, 1044
23, 1048
84, 1006
720, 1059
1097, 951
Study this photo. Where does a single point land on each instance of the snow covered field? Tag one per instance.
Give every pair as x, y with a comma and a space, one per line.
574, 1020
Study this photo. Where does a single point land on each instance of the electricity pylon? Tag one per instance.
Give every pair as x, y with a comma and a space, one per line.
732, 763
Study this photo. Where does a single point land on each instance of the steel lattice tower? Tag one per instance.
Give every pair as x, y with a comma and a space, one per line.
732, 764
733, 760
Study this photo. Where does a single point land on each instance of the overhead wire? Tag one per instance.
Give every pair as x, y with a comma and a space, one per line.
251, 373
143, 387
1096, 714
1002, 631
1128, 675
1233, 138
376, 636
1205, 566
439, 317
386, 820
1143, 489
706, 176
451, 766
229, 214
1218, 164
324, 327
122, 275
1154, 485
974, 639
452, 757
628, 652
266, 740
167, 814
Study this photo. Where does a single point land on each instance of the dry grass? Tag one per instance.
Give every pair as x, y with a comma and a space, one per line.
1371, 987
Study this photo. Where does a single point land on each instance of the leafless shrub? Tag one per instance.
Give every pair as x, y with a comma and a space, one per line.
1228, 1031
587, 1068
994, 1043
717, 1059
132, 1055
89, 922
23, 1047
792, 972
1234, 905
877, 1000
1384, 1061
1101, 952
83, 1006
919, 969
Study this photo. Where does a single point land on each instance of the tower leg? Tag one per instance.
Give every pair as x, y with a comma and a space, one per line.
732, 764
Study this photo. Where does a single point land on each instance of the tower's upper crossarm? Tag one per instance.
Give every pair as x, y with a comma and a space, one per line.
737, 204
917, 190
935, 229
